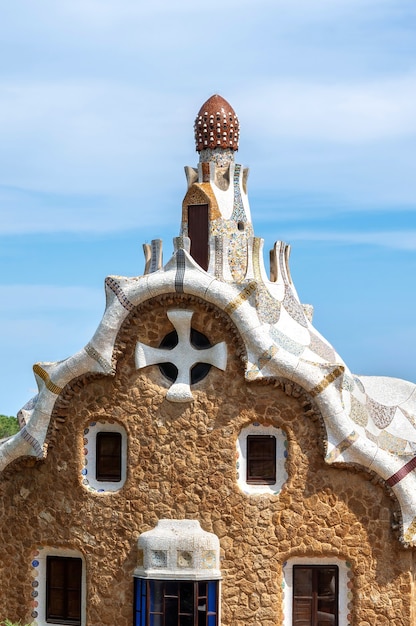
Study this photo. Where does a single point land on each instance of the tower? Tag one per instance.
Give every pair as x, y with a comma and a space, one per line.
215, 210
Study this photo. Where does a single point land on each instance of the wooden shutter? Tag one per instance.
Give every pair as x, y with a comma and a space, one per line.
315, 595
63, 590
261, 459
198, 233
108, 456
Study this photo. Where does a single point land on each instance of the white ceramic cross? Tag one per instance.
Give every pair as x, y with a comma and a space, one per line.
184, 356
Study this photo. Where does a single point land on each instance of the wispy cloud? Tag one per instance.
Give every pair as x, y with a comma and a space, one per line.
398, 240
348, 113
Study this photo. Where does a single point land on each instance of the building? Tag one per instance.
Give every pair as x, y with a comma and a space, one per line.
208, 457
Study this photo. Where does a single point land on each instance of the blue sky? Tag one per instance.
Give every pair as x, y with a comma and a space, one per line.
97, 103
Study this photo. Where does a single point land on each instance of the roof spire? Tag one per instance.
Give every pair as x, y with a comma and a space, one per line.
216, 126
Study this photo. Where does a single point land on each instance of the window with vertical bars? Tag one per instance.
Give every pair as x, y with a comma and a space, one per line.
315, 595
108, 456
63, 590
176, 603
261, 459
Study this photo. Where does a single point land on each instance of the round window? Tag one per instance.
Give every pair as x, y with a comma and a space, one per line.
199, 342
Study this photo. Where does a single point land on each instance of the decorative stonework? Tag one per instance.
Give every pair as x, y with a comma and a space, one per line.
179, 549
184, 356
216, 125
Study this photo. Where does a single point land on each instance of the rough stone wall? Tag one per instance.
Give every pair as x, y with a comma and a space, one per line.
181, 464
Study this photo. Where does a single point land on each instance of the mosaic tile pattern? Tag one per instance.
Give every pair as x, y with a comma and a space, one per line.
34, 600
382, 415
43, 374
238, 214
94, 354
220, 156
321, 348
32, 441
283, 341
118, 292
237, 246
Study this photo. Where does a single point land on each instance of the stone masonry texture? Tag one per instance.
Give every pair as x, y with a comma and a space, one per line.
181, 463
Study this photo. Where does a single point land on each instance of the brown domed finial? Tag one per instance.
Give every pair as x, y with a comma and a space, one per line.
216, 125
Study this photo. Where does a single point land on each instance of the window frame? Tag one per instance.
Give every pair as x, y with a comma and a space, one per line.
345, 586
101, 456
39, 584
253, 487
313, 597
66, 589
254, 457
144, 606
89, 469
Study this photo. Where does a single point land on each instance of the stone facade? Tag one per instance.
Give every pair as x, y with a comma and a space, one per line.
181, 464
344, 492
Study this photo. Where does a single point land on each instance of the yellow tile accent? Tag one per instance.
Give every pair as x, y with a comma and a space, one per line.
410, 532
242, 297
329, 378
46, 378
343, 445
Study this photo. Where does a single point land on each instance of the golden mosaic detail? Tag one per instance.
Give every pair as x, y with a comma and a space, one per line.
46, 379
200, 193
342, 446
329, 378
241, 298
410, 532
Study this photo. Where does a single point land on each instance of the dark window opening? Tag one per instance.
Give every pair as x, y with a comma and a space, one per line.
63, 590
198, 233
169, 370
176, 603
108, 456
315, 595
261, 459
199, 370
